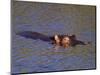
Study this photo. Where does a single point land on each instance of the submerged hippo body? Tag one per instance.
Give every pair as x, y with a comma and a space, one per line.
59, 40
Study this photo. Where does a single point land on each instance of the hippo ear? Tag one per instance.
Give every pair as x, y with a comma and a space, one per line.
73, 36
56, 37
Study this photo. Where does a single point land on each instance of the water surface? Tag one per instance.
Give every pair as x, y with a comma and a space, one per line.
30, 55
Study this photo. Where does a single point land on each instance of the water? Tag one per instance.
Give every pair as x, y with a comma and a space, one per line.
38, 56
